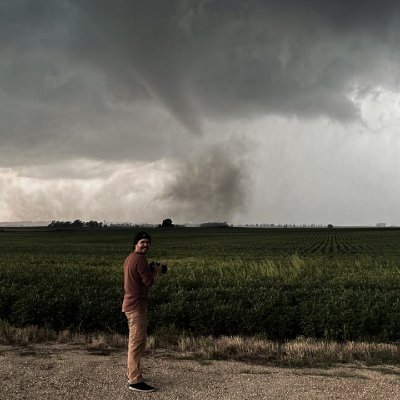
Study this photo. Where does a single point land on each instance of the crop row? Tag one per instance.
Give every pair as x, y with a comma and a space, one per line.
340, 242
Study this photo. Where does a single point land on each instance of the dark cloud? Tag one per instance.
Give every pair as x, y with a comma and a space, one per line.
222, 59
127, 79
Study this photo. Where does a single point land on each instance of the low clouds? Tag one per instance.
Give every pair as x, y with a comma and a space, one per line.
207, 186
123, 193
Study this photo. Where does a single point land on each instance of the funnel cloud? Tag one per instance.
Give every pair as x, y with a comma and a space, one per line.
212, 184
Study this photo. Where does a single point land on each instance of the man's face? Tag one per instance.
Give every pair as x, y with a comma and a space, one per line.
142, 246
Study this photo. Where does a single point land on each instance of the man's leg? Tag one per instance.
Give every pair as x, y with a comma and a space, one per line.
137, 322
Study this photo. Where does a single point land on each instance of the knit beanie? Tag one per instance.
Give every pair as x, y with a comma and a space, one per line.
140, 236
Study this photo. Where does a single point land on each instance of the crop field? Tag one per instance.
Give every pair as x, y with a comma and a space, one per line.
339, 284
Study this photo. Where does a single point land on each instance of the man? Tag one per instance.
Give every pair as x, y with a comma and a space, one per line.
138, 278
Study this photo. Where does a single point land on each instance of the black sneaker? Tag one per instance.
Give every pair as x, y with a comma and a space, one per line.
141, 387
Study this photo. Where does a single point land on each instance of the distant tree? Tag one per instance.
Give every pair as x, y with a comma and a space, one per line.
77, 223
93, 224
330, 226
167, 223
58, 224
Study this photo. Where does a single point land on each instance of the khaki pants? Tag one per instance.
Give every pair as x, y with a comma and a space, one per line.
137, 322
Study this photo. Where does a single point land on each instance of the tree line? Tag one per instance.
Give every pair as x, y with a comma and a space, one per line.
76, 224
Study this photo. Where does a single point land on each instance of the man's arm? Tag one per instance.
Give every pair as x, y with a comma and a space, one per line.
148, 277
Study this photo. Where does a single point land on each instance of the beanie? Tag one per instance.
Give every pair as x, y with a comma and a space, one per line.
140, 236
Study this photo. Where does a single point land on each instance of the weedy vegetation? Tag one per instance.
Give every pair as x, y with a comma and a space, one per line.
277, 285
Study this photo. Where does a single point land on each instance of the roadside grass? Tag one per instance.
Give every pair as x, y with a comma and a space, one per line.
302, 352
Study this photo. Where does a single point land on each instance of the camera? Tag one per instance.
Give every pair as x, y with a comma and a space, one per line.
164, 268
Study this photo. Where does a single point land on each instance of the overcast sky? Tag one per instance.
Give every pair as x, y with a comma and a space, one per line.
257, 111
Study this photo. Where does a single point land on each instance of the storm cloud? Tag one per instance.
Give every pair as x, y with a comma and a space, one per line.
223, 59
152, 81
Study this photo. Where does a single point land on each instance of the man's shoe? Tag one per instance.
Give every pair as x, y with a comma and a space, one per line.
141, 387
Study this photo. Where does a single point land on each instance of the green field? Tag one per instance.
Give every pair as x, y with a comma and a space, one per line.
340, 284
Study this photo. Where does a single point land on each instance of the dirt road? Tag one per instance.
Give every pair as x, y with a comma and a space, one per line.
60, 372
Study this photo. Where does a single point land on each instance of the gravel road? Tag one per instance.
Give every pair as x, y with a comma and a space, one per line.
61, 372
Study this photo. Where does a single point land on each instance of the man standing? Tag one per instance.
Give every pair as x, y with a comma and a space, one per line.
138, 278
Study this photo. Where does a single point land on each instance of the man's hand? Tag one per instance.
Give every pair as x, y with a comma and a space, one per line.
157, 271
156, 268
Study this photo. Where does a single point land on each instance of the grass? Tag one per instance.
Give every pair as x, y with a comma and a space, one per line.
301, 352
